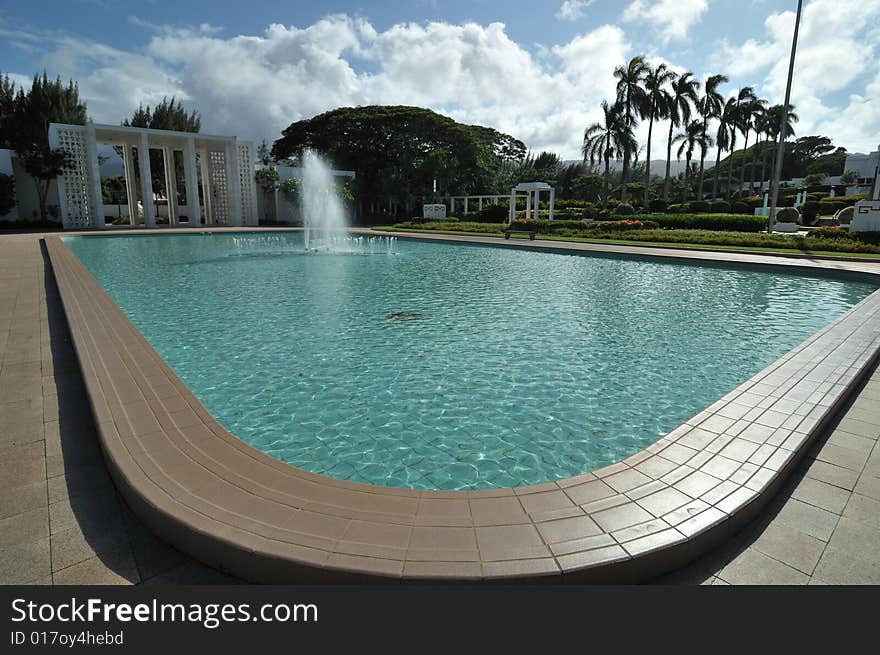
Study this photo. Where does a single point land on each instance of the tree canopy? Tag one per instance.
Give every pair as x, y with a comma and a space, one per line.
24, 126
167, 115
399, 151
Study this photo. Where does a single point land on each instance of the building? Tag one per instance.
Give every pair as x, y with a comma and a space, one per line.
219, 168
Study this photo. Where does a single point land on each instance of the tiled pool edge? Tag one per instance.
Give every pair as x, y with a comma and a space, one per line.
712, 474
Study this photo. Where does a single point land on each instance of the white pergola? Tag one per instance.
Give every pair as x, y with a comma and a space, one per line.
224, 165
531, 188
494, 198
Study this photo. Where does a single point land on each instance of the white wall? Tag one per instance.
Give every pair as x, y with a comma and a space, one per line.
26, 192
865, 165
6, 169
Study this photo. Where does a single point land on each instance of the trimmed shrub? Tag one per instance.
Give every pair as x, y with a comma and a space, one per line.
830, 207
675, 209
845, 215
657, 205
787, 215
845, 200
809, 211
589, 212
624, 209
754, 201
740, 207
720, 207
699, 206
831, 233
494, 212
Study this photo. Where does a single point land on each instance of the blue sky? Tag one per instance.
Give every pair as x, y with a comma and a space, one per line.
537, 70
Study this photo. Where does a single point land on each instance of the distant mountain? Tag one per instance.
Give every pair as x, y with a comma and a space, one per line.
658, 166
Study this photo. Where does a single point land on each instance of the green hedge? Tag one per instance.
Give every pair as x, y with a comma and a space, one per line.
830, 207
557, 227
740, 207
860, 244
723, 222
720, 207
625, 209
787, 215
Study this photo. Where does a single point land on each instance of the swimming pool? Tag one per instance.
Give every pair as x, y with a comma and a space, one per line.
447, 366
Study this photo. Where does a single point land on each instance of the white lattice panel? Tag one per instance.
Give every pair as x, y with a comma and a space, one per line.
75, 183
246, 178
219, 188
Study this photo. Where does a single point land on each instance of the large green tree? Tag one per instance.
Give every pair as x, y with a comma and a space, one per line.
25, 116
682, 97
694, 136
609, 138
633, 100
709, 106
656, 106
399, 152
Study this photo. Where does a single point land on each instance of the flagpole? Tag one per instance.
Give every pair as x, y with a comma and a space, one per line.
780, 146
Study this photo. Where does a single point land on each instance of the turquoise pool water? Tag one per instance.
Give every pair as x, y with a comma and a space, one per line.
503, 367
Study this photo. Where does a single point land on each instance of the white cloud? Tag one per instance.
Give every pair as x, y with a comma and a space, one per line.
256, 85
672, 18
573, 9
836, 47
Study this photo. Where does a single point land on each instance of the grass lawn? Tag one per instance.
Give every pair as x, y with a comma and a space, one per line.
654, 244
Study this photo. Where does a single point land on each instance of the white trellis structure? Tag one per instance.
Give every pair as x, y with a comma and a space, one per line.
223, 164
531, 189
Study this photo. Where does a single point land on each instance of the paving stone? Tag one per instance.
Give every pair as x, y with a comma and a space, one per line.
74, 546
16, 500
868, 485
809, 519
115, 567
752, 567
821, 494
790, 546
32, 525
24, 562
864, 509
832, 474
841, 566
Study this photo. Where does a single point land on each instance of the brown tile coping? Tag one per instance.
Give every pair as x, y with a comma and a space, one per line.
235, 508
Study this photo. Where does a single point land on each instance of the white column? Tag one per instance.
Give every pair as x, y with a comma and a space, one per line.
537, 202
528, 204
191, 176
465, 205
452, 205
207, 187
130, 184
233, 183
146, 181
512, 206
552, 200
481, 203
170, 184
95, 175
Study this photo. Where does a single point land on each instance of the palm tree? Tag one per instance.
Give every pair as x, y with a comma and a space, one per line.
758, 118
725, 138
684, 93
709, 106
608, 139
750, 109
770, 125
658, 100
631, 95
694, 136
